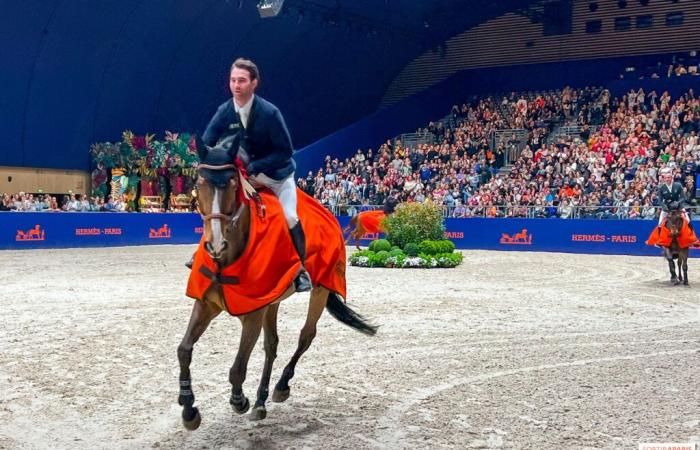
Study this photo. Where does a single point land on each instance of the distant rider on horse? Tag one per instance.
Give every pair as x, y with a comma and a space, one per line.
671, 198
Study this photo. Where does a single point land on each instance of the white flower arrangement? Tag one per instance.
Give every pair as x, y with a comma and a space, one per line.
413, 261
396, 259
363, 261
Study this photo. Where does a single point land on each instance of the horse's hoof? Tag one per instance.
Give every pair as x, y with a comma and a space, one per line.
258, 413
280, 396
193, 422
243, 409
685, 283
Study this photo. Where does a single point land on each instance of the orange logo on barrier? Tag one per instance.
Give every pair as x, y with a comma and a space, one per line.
35, 234
371, 236
199, 230
161, 233
454, 234
521, 238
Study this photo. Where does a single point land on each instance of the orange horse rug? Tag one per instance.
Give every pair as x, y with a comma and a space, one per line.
686, 238
269, 262
371, 221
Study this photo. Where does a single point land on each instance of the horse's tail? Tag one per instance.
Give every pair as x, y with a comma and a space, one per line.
338, 309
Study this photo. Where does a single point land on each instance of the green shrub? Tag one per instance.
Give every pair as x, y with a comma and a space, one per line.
396, 260
447, 246
396, 252
449, 259
414, 223
411, 249
379, 245
395, 247
361, 258
436, 247
426, 247
379, 259
427, 261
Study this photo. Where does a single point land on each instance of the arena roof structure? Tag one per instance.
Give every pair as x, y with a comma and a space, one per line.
77, 72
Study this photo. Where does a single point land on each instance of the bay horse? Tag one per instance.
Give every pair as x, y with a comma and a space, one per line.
227, 220
675, 223
368, 222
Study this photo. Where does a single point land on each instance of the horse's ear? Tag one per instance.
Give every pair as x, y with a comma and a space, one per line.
202, 149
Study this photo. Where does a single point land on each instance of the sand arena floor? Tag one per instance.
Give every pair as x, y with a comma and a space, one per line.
509, 350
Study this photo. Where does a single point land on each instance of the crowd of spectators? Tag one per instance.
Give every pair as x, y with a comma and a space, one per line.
69, 202
608, 170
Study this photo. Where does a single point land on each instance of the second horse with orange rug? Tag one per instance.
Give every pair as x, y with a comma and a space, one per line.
368, 222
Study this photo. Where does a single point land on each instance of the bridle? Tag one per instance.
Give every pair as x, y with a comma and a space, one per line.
244, 192
231, 219
675, 217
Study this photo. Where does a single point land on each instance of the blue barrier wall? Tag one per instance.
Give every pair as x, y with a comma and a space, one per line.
612, 237
57, 230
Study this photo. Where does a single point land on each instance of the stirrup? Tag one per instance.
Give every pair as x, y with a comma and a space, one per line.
302, 282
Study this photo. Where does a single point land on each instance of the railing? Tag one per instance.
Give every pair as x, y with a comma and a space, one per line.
497, 137
412, 140
530, 211
568, 131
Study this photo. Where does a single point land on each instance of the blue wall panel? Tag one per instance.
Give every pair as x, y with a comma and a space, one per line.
56, 230
60, 230
613, 237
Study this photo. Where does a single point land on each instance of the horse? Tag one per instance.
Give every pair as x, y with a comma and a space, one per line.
368, 222
675, 224
227, 218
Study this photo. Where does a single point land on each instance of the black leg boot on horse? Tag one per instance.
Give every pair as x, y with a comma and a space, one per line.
302, 283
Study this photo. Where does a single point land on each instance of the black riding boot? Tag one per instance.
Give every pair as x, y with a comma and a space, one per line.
302, 283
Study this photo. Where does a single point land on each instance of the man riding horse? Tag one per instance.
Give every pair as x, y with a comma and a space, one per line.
671, 198
674, 232
266, 151
246, 263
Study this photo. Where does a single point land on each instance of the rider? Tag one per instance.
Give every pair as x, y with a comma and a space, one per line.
391, 202
268, 150
671, 197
